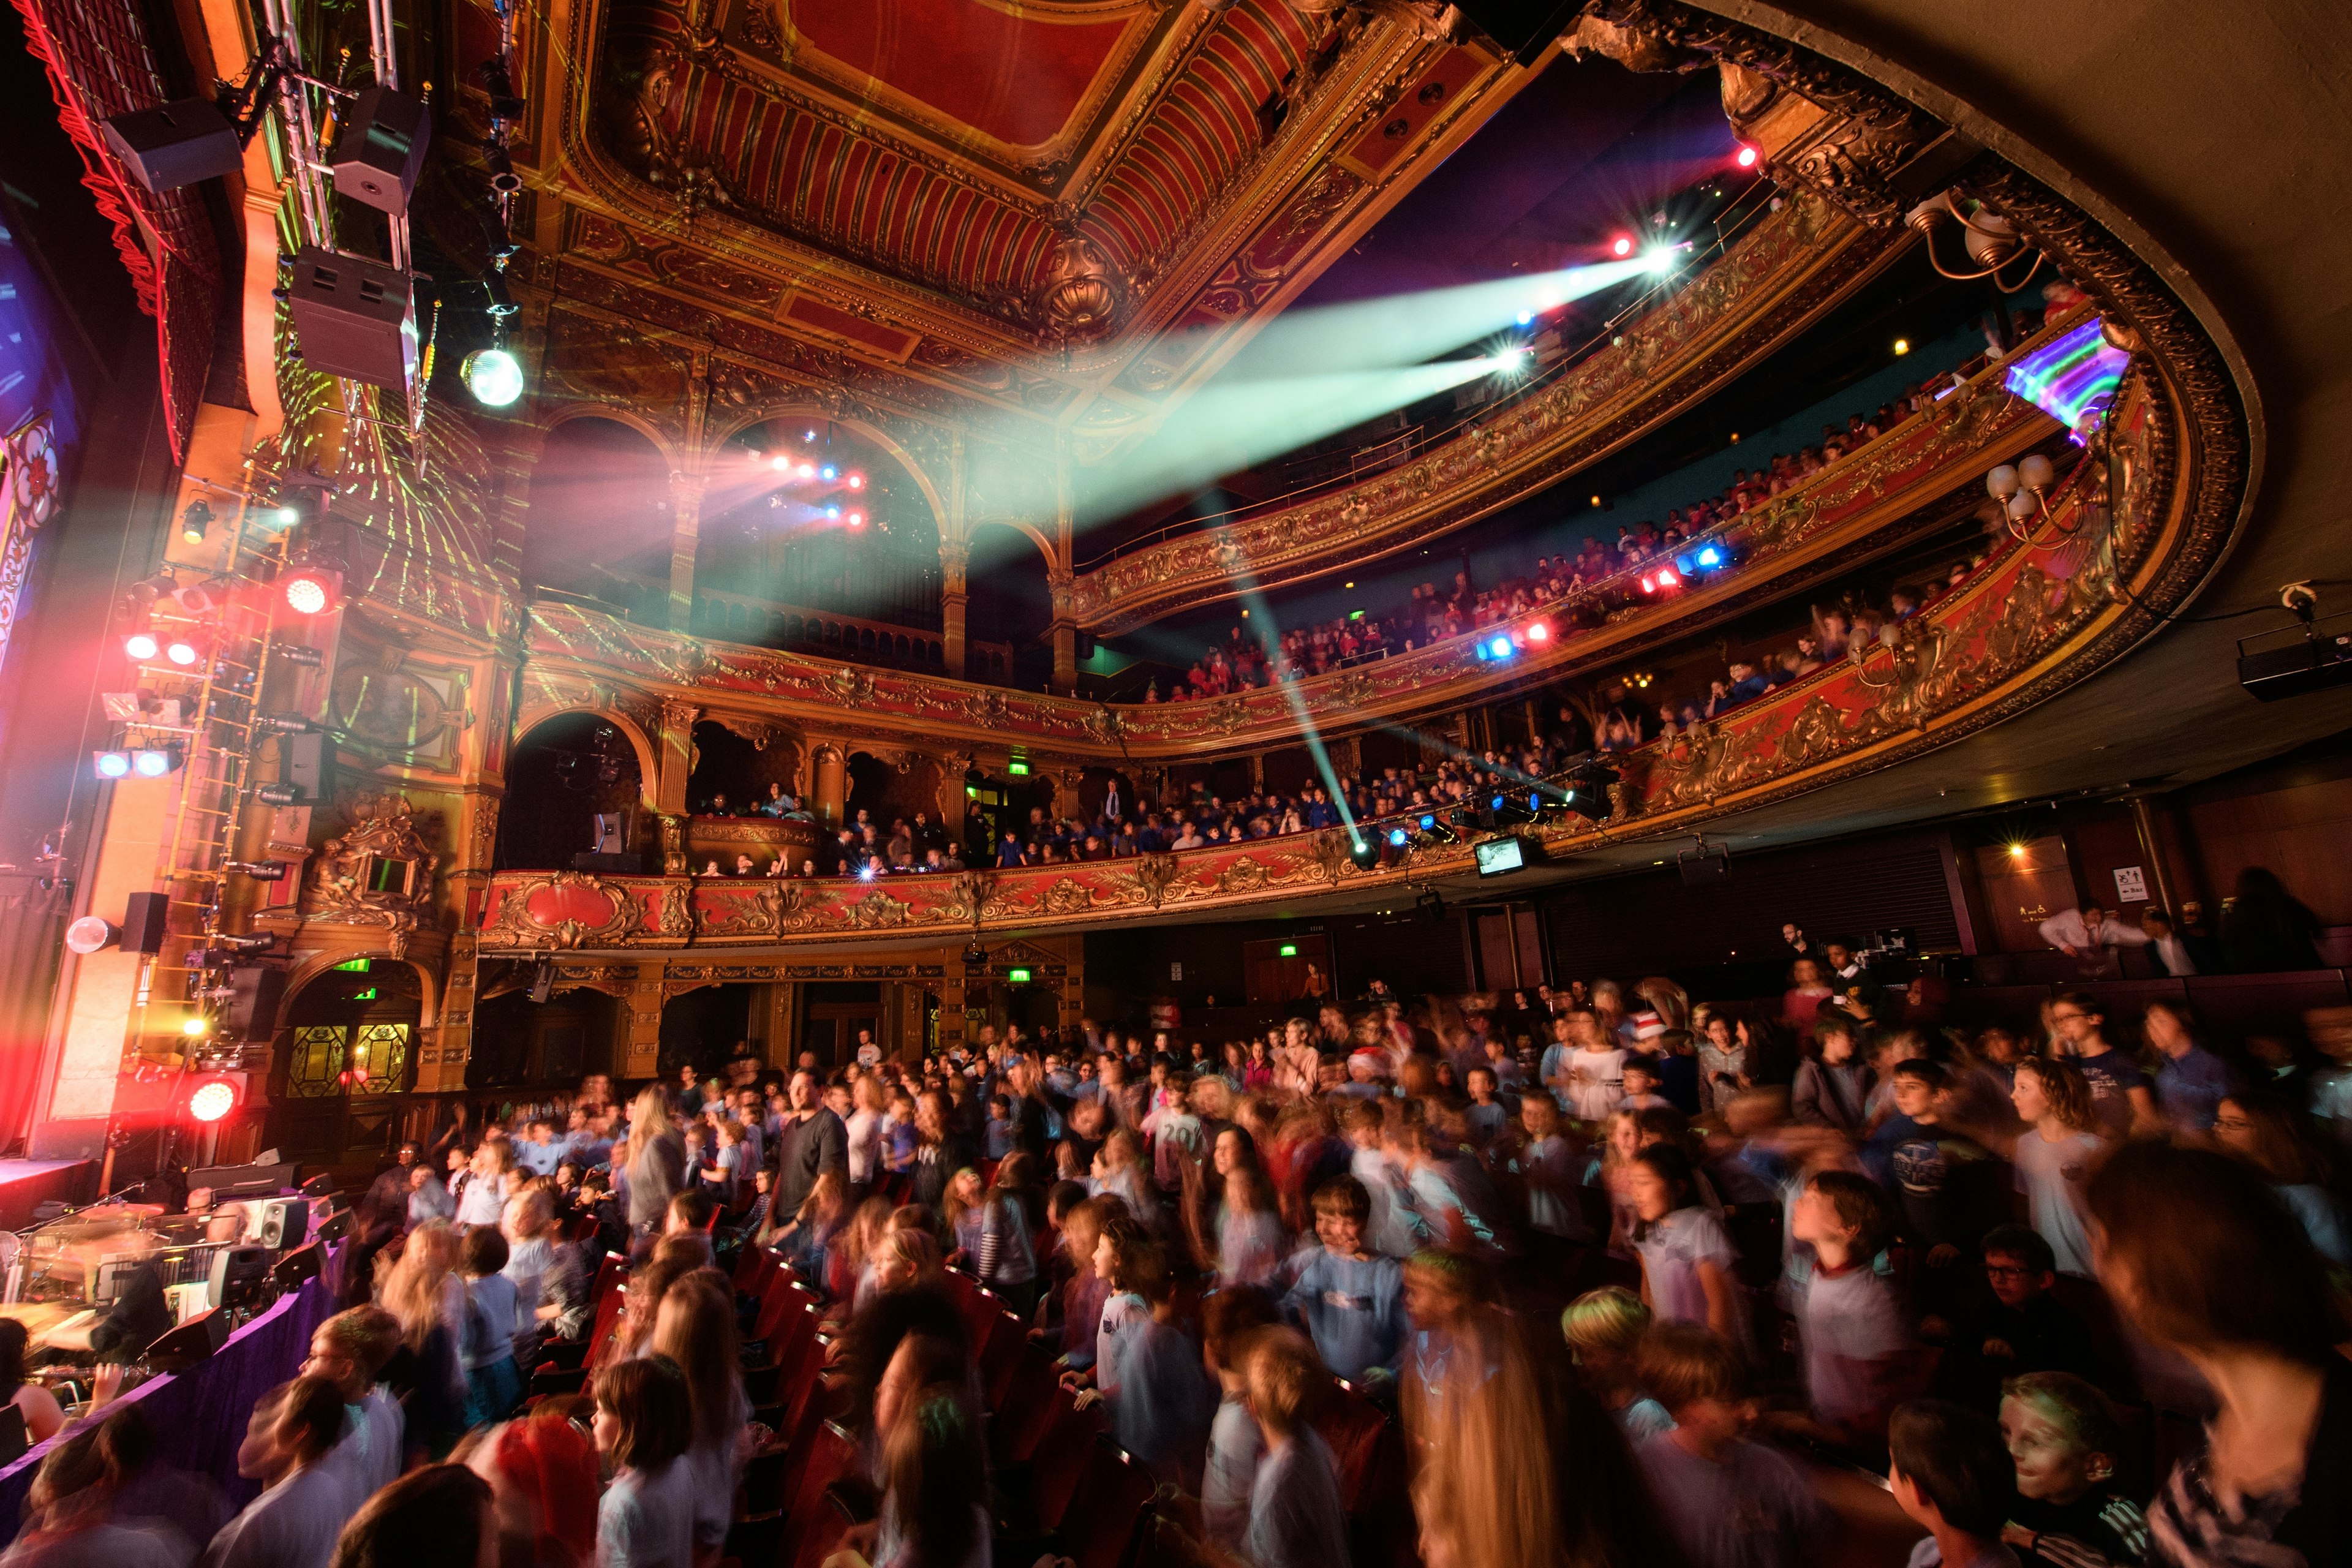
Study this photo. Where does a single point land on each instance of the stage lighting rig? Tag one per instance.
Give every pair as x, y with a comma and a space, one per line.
1364, 852
1588, 791
1434, 828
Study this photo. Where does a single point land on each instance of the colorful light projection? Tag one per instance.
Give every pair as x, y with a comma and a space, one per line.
2072, 380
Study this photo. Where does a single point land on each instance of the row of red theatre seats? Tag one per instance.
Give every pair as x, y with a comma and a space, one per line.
1061, 1485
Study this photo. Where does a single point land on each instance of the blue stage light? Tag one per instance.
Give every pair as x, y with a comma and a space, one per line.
1685, 564
1397, 837
829, 471
1710, 556
1427, 822
1498, 803
1500, 648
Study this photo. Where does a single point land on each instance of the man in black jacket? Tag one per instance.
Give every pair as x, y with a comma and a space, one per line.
812, 1141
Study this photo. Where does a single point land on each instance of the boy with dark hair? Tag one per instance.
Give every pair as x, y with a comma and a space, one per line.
2019, 1328
1937, 1177
1350, 1300
1735, 1504
1949, 1471
1851, 1328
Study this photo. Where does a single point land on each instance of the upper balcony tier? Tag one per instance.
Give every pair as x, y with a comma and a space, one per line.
2072, 584
1885, 493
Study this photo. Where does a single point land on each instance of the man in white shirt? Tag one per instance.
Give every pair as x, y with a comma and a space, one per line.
350, 1349
305, 1501
2088, 933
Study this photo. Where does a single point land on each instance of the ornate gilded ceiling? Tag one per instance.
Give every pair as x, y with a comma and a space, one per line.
1035, 207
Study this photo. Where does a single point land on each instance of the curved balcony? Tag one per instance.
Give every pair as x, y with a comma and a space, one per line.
2124, 539
1767, 287
1871, 501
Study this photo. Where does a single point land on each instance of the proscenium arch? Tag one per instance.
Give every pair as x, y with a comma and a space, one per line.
531, 718
865, 430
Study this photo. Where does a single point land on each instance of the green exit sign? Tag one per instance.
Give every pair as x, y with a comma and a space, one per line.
1291, 950
1018, 770
1018, 977
356, 965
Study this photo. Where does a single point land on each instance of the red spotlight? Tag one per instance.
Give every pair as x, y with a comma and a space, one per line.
855, 520
1539, 631
1667, 578
212, 1099
142, 646
182, 652
1747, 156
307, 590
857, 481
1649, 586
1621, 247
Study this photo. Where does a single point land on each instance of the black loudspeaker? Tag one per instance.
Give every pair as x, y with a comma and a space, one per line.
321, 1185
227, 1182
380, 149
1521, 26
309, 764
354, 316
542, 980
302, 1263
142, 921
178, 1349
284, 1223
253, 999
1086, 647
240, 1276
1706, 867
176, 144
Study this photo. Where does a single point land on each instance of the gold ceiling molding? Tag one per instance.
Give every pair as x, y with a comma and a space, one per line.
596, 215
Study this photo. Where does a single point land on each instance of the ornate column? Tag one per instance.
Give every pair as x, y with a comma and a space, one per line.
686, 532
641, 1048
1065, 630
2148, 812
829, 783
955, 554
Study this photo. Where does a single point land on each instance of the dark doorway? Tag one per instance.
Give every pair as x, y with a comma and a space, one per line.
343, 1062
564, 773
549, 1045
704, 1027
1037, 1008
832, 1016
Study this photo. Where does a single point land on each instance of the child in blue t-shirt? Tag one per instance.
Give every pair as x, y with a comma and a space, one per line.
1350, 1301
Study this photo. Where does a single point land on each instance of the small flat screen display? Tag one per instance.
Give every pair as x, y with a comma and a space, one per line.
1496, 856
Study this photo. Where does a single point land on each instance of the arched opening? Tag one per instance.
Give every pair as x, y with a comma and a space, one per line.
551, 1045
566, 771
726, 777
1011, 607
802, 514
601, 525
343, 1058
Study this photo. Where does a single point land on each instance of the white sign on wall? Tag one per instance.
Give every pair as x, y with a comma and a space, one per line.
2131, 885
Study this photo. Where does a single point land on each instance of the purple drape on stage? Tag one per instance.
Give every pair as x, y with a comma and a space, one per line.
200, 1413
